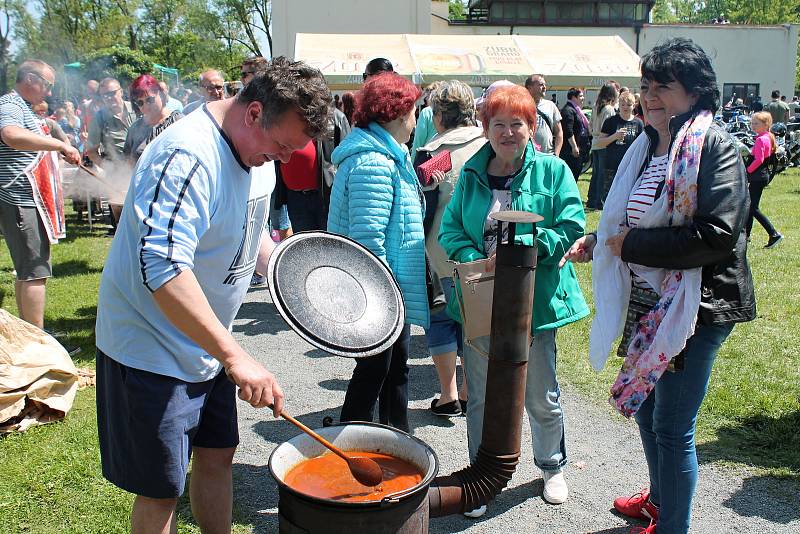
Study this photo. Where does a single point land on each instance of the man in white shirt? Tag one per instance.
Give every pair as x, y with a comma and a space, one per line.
176, 274
548, 134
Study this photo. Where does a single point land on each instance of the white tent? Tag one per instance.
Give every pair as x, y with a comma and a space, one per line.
478, 60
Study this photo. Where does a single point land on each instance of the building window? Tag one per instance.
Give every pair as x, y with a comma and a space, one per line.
745, 91
559, 12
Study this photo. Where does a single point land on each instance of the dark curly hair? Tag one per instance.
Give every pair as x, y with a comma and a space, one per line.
383, 98
285, 85
683, 61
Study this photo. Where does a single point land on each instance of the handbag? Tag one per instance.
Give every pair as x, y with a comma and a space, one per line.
437, 301
474, 289
439, 162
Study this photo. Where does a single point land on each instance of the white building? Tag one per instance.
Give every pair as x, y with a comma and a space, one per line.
737, 51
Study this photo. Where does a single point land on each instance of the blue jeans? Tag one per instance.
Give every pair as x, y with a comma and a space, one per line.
667, 423
279, 218
542, 400
595, 196
444, 335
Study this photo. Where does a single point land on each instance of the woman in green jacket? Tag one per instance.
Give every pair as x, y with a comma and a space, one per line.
509, 174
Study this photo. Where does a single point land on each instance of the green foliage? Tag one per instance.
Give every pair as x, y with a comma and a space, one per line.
119, 62
662, 12
736, 11
122, 38
456, 9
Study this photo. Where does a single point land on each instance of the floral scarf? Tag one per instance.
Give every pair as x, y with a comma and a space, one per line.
663, 331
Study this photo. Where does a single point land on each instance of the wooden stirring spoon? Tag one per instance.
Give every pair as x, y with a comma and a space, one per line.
365, 470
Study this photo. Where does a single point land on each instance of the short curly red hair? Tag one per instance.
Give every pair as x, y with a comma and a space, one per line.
512, 99
383, 98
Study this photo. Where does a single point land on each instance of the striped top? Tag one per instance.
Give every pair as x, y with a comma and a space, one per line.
642, 197
644, 194
14, 185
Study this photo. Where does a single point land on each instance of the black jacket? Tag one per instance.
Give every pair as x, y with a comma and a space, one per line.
715, 240
571, 125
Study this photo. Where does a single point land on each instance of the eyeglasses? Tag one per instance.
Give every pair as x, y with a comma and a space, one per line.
215, 87
246, 73
110, 94
149, 100
47, 84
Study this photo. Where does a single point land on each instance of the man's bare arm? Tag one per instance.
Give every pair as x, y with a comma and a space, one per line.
182, 301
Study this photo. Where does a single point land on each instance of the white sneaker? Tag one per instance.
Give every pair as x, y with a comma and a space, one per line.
477, 512
555, 487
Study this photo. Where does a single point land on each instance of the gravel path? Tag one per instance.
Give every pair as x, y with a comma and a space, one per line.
605, 457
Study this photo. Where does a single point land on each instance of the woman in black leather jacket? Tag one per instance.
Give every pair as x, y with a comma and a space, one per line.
670, 273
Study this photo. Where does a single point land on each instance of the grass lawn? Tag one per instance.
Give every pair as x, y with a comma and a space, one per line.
51, 479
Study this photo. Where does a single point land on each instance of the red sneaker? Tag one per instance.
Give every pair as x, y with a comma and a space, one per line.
641, 530
637, 506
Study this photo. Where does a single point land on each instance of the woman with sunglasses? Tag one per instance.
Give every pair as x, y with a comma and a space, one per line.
150, 99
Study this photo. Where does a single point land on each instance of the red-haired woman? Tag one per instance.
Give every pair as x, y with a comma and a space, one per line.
376, 200
509, 174
151, 100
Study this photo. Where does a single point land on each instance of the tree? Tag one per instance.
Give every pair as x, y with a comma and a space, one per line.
254, 16
9, 15
118, 62
456, 9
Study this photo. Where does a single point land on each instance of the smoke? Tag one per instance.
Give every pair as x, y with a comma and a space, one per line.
111, 182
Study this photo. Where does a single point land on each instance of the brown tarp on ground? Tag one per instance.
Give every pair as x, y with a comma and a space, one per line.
38, 380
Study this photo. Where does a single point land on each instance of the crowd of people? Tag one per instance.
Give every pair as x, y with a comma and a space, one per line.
211, 178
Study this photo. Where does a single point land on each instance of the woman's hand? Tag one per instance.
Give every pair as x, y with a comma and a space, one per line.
614, 243
581, 250
437, 176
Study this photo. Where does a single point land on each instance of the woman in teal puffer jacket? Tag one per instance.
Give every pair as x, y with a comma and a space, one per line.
376, 200
509, 174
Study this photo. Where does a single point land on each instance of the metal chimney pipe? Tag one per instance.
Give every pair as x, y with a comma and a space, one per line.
512, 305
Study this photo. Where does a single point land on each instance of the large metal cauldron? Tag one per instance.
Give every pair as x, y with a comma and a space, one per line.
401, 513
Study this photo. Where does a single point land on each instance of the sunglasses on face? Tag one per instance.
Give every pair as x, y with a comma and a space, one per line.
110, 94
246, 73
45, 82
214, 87
147, 100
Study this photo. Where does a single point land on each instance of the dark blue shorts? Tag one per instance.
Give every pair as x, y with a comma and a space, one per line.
148, 423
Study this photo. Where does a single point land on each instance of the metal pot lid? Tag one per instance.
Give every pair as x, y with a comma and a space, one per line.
336, 294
